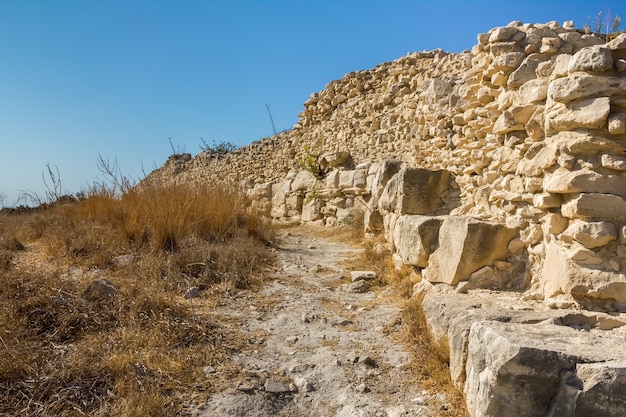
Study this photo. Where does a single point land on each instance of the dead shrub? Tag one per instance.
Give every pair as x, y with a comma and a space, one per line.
139, 352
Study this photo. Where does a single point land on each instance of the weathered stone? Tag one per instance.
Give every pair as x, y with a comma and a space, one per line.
506, 123
594, 205
533, 91
346, 179
544, 159
505, 33
386, 170
563, 275
563, 181
580, 86
304, 180
558, 375
413, 238
311, 210
99, 289
336, 158
588, 114
419, 190
591, 235
579, 143
591, 59
617, 123
363, 276
508, 61
464, 246
275, 387
546, 200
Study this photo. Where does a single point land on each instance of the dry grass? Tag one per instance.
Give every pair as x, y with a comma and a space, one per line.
430, 358
139, 352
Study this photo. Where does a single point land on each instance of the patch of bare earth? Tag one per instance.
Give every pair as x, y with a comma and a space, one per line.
313, 347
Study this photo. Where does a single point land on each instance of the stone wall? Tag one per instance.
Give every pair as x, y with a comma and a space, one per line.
501, 168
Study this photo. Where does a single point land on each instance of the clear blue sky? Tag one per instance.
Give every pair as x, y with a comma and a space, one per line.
119, 78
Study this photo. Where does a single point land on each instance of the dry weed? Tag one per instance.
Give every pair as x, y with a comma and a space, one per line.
139, 352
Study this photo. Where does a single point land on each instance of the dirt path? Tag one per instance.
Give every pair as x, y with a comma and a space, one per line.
316, 349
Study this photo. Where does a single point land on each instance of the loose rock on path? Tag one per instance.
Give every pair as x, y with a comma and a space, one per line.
316, 348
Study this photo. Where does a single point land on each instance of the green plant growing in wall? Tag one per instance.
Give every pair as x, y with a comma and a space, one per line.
311, 159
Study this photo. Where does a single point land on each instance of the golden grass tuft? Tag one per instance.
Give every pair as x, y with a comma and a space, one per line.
139, 352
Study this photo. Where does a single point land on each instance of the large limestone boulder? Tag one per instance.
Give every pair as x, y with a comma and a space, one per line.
465, 245
543, 370
579, 271
415, 191
413, 238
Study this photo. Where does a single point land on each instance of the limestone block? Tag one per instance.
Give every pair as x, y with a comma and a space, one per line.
420, 190
535, 126
294, 203
386, 170
594, 205
525, 72
332, 179
591, 59
561, 63
372, 221
413, 237
508, 61
574, 272
485, 277
622, 234
279, 206
563, 181
560, 373
360, 178
553, 224
581, 143
389, 197
578, 86
533, 91
546, 200
466, 245
590, 234
587, 114
303, 181
544, 159
505, 33
336, 158
311, 210
617, 123
263, 190
507, 123
346, 179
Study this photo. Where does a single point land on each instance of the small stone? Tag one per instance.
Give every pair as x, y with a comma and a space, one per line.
299, 368
99, 289
362, 389
419, 401
291, 340
363, 275
192, 293
209, 370
359, 287
275, 387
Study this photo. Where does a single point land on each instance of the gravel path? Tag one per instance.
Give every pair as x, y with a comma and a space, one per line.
316, 348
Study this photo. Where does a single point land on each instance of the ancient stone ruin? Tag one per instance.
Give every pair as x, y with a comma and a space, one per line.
499, 174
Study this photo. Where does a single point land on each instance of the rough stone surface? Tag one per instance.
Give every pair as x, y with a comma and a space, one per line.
464, 246
526, 132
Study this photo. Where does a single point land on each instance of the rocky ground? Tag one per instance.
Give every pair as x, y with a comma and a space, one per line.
317, 346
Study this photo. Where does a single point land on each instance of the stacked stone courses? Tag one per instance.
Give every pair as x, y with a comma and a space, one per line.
498, 169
